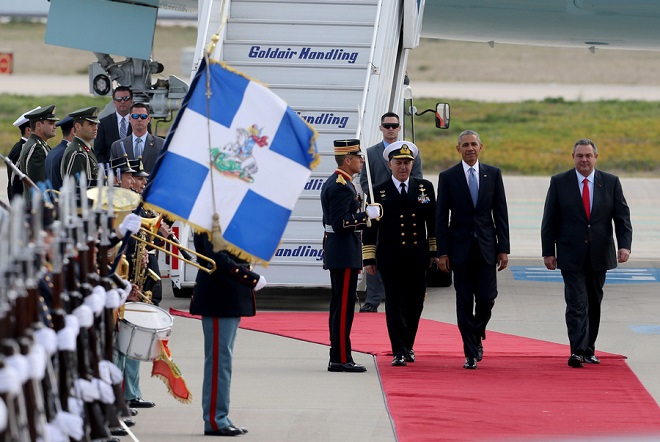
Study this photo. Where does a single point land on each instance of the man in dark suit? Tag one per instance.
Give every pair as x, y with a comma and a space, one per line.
221, 299
576, 237
114, 126
474, 241
402, 246
54, 157
140, 143
380, 172
342, 249
14, 185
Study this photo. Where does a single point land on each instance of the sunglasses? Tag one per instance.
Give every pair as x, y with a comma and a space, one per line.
390, 125
140, 116
120, 99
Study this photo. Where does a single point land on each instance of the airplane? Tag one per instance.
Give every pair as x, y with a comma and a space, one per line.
299, 48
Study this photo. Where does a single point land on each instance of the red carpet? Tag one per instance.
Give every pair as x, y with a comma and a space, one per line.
523, 389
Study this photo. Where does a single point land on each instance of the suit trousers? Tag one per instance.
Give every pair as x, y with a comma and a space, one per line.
475, 282
583, 291
342, 310
219, 337
375, 289
404, 301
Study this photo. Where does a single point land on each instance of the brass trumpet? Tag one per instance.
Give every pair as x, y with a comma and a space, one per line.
150, 227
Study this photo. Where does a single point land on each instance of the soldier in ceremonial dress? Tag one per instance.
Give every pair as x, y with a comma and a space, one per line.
79, 156
402, 246
342, 249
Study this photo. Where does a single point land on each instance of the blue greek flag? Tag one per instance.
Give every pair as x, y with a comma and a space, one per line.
237, 143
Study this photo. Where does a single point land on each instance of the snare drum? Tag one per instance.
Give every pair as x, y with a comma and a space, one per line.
142, 326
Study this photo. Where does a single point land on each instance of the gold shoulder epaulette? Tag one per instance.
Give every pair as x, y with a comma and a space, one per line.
341, 180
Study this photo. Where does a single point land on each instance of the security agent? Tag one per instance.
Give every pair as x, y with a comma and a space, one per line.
54, 157
402, 246
14, 185
79, 156
33, 153
342, 249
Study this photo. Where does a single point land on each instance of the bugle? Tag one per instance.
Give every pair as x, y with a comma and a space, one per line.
150, 227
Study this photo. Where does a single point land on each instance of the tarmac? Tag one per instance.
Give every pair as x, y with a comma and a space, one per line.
281, 390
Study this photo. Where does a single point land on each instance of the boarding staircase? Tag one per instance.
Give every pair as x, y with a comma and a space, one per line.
340, 65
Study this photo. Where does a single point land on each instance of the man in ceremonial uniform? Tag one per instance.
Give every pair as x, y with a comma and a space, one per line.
14, 185
79, 156
33, 153
54, 157
221, 298
402, 246
342, 249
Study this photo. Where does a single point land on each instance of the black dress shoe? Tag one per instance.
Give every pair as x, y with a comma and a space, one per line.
118, 431
575, 361
140, 403
399, 361
129, 422
480, 352
470, 363
133, 411
410, 356
591, 359
350, 367
368, 308
229, 430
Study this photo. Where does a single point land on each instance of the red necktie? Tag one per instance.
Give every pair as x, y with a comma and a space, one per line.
585, 197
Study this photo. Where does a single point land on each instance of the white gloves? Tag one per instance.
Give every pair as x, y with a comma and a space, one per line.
374, 211
131, 224
260, 284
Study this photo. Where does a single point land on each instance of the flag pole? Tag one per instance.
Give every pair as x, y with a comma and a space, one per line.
363, 148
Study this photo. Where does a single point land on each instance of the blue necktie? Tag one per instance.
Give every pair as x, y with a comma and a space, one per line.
473, 185
137, 151
123, 128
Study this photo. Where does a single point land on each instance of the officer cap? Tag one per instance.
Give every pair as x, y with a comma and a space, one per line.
138, 167
400, 149
347, 147
65, 123
23, 119
41, 114
121, 164
90, 114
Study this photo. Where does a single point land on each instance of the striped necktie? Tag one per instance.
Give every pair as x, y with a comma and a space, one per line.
123, 128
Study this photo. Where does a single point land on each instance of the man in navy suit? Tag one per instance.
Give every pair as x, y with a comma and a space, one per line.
474, 241
380, 172
111, 128
140, 144
577, 237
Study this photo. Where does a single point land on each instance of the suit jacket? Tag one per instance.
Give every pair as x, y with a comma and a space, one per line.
567, 234
227, 292
405, 235
108, 133
342, 248
379, 169
152, 148
488, 222
15, 188
53, 163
